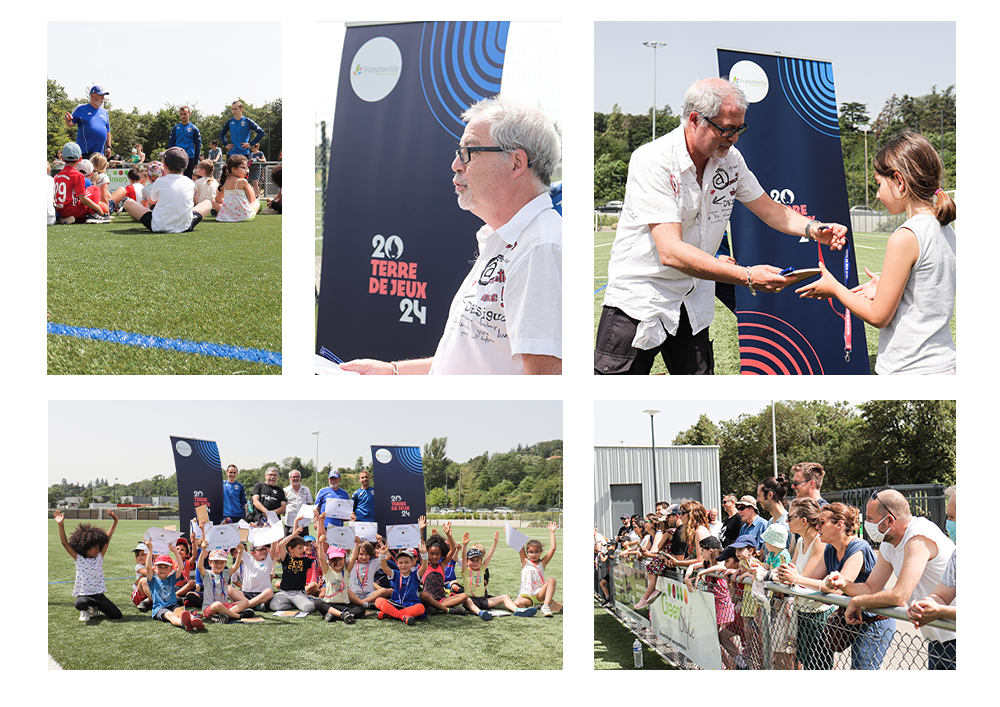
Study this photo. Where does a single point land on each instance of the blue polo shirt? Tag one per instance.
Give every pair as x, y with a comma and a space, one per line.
321, 498
364, 504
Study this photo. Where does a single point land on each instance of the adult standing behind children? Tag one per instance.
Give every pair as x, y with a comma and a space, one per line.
327, 493
244, 133
93, 131
364, 499
187, 136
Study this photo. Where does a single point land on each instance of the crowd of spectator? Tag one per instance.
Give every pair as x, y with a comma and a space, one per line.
813, 546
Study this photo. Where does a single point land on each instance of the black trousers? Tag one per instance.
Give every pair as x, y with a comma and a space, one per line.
684, 353
103, 604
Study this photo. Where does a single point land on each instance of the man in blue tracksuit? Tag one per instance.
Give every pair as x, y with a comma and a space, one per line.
187, 136
244, 133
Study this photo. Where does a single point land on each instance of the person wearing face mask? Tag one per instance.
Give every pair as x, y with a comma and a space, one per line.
917, 552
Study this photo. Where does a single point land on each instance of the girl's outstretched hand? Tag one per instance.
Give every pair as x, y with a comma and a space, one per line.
867, 289
58, 517
821, 288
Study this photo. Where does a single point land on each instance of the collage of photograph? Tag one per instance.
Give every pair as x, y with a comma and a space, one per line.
770, 197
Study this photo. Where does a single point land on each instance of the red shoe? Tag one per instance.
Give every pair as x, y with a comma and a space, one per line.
381, 615
197, 623
186, 620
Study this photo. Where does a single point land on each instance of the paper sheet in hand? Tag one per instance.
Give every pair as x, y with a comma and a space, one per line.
162, 539
222, 537
366, 531
304, 516
266, 536
400, 536
272, 518
342, 537
340, 508
515, 538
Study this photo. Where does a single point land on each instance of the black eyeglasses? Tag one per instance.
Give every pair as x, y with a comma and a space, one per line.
728, 132
464, 154
877, 499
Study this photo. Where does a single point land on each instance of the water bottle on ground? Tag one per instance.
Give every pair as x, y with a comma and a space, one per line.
637, 653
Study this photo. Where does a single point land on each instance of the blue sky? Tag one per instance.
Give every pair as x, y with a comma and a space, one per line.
871, 60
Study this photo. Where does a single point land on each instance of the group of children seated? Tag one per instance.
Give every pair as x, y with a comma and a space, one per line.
158, 195
404, 584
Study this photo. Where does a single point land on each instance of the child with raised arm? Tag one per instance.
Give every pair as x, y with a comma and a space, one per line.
161, 578
473, 576
362, 566
254, 576
87, 546
434, 594
294, 568
405, 604
913, 300
337, 600
535, 588
215, 599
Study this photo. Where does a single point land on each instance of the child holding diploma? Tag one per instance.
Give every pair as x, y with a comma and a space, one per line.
535, 588
254, 576
162, 579
473, 570
215, 600
337, 600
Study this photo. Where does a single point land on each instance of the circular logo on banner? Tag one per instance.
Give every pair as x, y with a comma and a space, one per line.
751, 79
183, 448
384, 455
375, 69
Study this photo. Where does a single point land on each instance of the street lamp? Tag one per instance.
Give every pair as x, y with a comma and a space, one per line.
652, 434
654, 45
316, 480
886, 461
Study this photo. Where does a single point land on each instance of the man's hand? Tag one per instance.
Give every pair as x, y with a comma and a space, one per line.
831, 234
767, 278
367, 367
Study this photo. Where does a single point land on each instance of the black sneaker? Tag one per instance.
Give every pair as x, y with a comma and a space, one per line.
347, 617
144, 605
457, 610
247, 614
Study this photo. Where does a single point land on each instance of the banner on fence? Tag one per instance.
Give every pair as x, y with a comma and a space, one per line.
396, 246
687, 620
630, 586
399, 472
793, 148
199, 477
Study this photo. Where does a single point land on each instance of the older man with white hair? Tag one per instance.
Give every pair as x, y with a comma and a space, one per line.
506, 317
680, 193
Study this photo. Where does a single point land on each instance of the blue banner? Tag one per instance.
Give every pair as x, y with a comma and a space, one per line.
199, 478
793, 148
399, 474
396, 246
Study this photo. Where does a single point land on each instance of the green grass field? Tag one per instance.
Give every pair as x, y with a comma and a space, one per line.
613, 646
219, 285
870, 250
137, 641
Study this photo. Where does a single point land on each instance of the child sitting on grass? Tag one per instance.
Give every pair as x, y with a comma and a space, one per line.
74, 201
173, 195
205, 185
152, 172
215, 599
405, 604
236, 199
362, 567
434, 594
535, 588
294, 568
87, 546
473, 576
253, 577
132, 191
337, 600
162, 579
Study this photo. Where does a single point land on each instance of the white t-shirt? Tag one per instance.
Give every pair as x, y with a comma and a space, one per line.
50, 203
511, 302
663, 188
205, 189
173, 195
933, 570
255, 576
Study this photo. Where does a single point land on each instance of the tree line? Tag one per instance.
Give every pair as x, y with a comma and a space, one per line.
618, 134
879, 442
524, 477
152, 130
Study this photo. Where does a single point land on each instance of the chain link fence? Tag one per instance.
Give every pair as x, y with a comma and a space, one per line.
772, 626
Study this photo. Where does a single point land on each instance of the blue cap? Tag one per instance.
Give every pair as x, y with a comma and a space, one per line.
335, 474
98, 89
746, 541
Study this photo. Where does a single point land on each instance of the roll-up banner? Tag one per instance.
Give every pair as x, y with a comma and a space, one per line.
396, 246
399, 475
199, 477
793, 148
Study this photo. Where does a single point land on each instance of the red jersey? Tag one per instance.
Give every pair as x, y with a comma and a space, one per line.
69, 188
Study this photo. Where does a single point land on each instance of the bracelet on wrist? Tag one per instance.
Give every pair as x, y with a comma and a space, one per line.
750, 282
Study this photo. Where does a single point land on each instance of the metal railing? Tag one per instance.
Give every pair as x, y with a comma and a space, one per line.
778, 627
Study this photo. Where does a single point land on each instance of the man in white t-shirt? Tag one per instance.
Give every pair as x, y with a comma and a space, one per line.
917, 552
678, 199
506, 318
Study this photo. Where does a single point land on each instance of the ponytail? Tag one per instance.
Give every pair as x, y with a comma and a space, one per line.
944, 207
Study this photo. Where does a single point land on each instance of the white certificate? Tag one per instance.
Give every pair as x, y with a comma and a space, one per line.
366, 531
342, 537
515, 538
400, 536
266, 536
222, 537
162, 539
340, 508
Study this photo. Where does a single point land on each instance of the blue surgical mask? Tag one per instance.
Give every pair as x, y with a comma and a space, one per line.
949, 525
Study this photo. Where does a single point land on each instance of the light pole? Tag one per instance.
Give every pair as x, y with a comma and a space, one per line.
316, 480
654, 45
886, 461
652, 434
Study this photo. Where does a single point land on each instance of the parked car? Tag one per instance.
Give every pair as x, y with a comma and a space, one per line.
483, 510
503, 509
553, 510
463, 509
